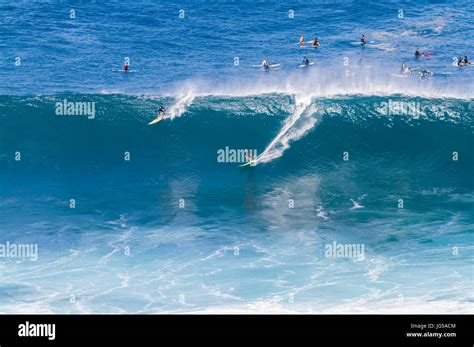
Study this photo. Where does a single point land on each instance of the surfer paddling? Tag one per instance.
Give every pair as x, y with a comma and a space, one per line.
425, 73
463, 62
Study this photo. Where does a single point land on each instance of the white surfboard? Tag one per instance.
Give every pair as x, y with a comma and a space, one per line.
360, 43
122, 70
304, 65
459, 66
249, 163
271, 66
156, 120
399, 75
254, 161
428, 73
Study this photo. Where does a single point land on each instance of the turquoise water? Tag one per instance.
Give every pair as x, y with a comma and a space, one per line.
173, 229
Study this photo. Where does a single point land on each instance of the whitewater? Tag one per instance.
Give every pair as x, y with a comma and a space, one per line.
132, 218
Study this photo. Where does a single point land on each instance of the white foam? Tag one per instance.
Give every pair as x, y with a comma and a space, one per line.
306, 87
181, 105
355, 205
391, 306
288, 132
325, 81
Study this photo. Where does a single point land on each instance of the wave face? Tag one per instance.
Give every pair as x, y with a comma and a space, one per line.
392, 173
347, 152
321, 129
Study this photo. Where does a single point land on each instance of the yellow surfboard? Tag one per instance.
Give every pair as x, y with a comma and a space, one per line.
156, 120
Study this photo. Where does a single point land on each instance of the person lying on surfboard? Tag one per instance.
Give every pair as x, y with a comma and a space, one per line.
363, 40
463, 62
425, 73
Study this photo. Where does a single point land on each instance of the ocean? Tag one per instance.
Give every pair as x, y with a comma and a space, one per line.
360, 198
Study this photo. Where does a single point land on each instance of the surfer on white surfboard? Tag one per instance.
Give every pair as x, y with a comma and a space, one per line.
266, 64
425, 73
159, 115
305, 61
161, 111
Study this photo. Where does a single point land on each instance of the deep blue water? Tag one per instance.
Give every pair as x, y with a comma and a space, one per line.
173, 229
